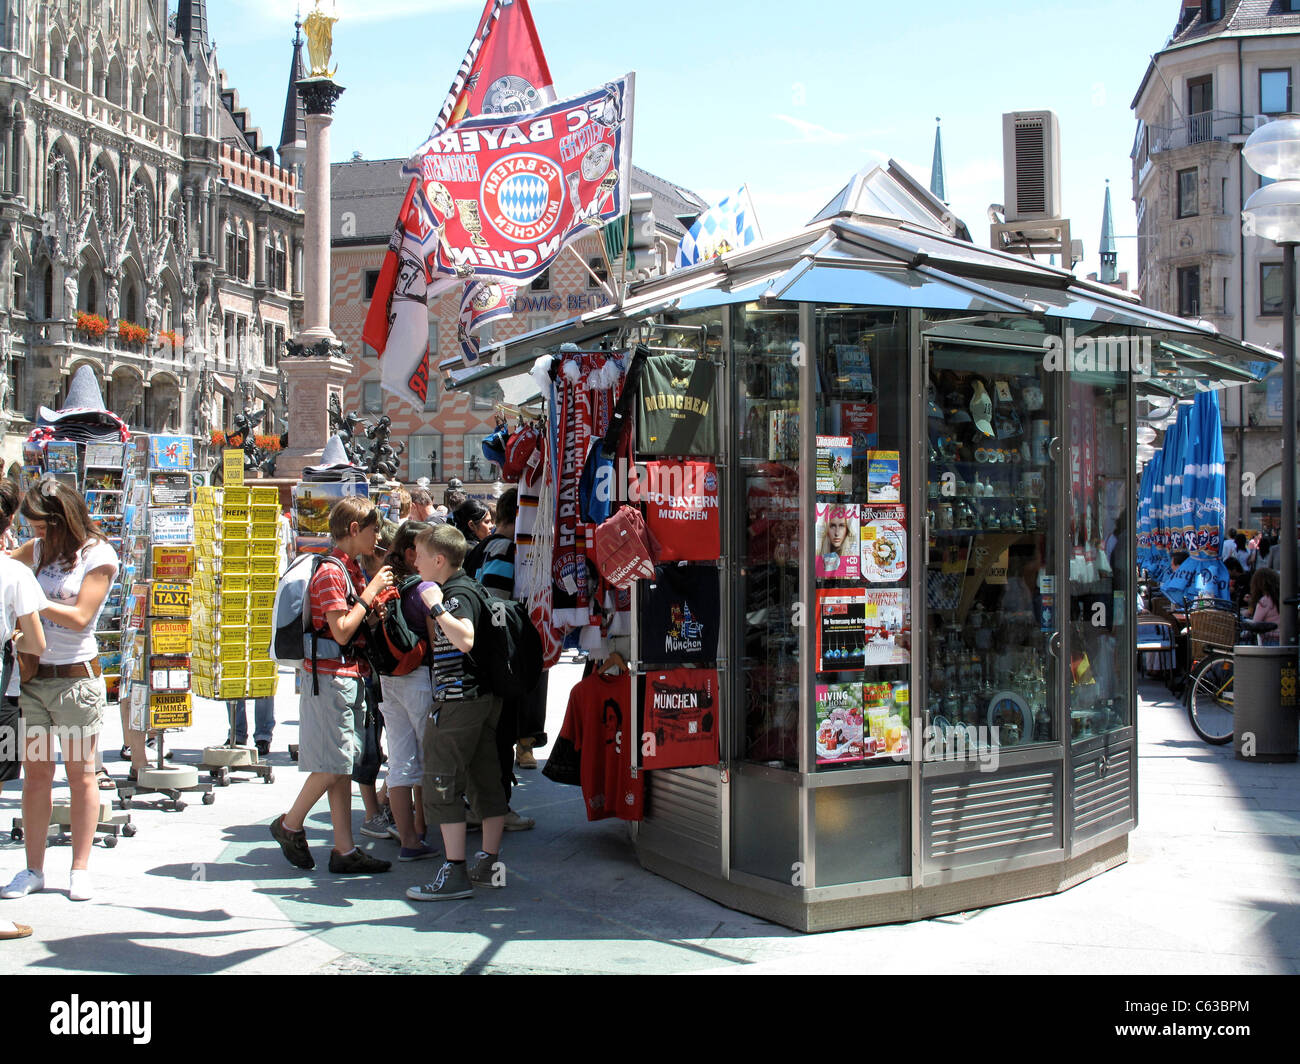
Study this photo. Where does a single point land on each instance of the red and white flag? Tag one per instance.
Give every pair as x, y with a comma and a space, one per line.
504, 71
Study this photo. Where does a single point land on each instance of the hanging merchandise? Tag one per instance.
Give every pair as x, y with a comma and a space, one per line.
679, 724
682, 509
600, 489
680, 611
597, 722
675, 414
585, 388
624, 551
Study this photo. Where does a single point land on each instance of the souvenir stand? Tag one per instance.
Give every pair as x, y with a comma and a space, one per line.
924, 668
159, 696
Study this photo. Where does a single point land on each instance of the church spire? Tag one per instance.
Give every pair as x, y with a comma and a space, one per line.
1109, 256
192, 25
936, 168
293, 131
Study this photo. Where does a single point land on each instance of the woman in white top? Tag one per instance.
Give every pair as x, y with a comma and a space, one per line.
21, 600
75, 566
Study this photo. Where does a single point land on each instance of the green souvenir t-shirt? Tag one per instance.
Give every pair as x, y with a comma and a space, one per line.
674, 414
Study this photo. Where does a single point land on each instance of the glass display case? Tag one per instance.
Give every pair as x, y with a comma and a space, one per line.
992, 426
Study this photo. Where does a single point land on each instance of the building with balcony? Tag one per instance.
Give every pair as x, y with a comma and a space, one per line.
145, 228
443, 440
1228, 66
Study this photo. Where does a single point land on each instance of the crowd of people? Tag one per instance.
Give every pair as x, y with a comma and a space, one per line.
452, 747
1252, 563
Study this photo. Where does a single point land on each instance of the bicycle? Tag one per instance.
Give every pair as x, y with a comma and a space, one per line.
1209, 690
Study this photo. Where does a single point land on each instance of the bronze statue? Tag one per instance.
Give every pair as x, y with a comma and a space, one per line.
320, 31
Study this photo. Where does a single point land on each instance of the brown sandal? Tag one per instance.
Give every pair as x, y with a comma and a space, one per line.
106, 782
19, 931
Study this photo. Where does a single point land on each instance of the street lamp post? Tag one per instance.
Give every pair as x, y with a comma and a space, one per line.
1273, 212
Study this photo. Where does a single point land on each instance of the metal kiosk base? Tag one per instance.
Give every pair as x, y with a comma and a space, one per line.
221, 761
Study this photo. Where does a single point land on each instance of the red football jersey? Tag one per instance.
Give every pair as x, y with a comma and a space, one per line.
598, 714
681, 505
681, 716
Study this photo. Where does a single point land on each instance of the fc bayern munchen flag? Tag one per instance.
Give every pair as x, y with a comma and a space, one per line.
509, 194
505, 71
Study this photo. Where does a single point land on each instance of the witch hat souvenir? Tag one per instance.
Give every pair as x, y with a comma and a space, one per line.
981, 409
84, 397
334, 463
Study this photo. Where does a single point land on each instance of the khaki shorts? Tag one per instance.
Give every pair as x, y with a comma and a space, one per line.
329, 738
460, 757
72, 708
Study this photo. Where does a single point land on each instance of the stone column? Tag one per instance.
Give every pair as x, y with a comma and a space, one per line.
319, 96
316, 366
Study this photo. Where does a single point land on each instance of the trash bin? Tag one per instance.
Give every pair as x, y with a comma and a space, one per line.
1264, 726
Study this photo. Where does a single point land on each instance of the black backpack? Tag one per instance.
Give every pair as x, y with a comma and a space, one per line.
509, 659
394, 649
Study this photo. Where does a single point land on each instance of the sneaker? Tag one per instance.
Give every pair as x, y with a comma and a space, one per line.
515, 822
393, 833
421, 853
81, 889
263, 747
24, 883
293, 844
451, 882
377, 826
482, 872
357, 862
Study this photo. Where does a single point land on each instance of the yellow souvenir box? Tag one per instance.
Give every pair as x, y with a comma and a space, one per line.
263, 548
262, 688
263, 582
235, 496
264, 564
265, 497
234, 548
263, 670
260, 618
262, 529
235, 687
236, 565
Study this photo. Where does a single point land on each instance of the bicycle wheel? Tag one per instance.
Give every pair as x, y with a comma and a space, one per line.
1209, 700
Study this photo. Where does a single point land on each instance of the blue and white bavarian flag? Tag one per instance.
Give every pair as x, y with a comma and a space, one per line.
725, 227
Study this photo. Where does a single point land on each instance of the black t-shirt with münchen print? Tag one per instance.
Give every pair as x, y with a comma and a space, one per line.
675, 411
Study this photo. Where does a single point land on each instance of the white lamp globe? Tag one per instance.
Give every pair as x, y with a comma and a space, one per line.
1274, 148
1274, 212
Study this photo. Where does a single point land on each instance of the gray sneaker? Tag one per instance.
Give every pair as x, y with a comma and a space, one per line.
377, 826
487, 871
451, 882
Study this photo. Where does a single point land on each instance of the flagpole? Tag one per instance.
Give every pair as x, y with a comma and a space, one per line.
629, 107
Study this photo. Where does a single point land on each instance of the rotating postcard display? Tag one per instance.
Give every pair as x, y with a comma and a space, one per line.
862, 615
238, 572
679, 611
161, 597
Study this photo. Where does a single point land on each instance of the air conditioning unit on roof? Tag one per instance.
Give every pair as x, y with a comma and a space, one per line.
1031, 165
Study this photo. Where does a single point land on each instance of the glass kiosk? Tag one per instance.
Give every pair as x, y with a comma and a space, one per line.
928, 481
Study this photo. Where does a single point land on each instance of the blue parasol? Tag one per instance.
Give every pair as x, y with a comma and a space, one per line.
1172, 471
1208, 490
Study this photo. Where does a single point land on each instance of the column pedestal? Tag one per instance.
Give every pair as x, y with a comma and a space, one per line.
309, 382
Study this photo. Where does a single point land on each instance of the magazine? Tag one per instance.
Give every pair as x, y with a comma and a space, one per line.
888, 627
783, 433
841, 629
99, 503
858, 420
103, 480
883, 481
853, 368
839, 723
837, 542
884, 543
835, 465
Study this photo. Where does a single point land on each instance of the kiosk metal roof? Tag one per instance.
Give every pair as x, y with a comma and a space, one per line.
885, 241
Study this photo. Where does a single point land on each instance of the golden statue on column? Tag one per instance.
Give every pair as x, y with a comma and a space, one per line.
320, 31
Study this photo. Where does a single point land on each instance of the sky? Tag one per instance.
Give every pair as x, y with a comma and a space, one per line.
792, 99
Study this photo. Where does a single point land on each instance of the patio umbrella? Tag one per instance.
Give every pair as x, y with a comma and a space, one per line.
1179, 506
1170, 496
1207, 489
1144, 516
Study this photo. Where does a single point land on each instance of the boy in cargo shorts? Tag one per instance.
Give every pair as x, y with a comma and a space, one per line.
460, 755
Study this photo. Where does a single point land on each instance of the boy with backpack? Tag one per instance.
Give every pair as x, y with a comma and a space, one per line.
332, 695
460, 755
